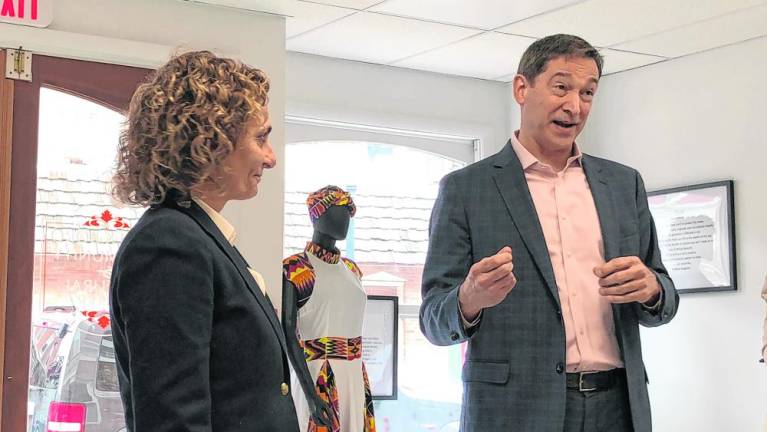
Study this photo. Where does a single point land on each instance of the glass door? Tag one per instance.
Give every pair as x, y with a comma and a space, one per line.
63, 233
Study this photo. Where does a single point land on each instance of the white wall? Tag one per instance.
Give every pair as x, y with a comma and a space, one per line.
145, 33
362, 93
694, 120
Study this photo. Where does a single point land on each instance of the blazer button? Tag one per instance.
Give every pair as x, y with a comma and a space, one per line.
560, 368
454, 336
284, 389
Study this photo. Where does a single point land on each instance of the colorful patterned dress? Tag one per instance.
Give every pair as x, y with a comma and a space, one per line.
331, 308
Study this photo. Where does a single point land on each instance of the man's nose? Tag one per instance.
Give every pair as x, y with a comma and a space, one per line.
572, 103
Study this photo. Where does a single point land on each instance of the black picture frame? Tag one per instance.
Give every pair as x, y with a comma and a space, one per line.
684, 211
380, 345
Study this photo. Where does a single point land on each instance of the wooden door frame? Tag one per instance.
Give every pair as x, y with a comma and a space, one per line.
106, 84
6, 139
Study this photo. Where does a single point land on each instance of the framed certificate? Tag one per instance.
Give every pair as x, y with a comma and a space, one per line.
379, 345
696, 234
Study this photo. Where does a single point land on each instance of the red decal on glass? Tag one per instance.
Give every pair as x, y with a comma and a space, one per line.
103, 321
103, 220
99, 317
120, 223
106, 216
92, 222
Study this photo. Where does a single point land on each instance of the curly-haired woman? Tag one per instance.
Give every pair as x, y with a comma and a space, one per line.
197, 343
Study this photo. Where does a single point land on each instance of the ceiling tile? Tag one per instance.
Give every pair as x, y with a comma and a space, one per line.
486, 56
304, 16
610, 22
376, 38
484, 14
278, 7
724, 30
353, 4
300, 16
616, 61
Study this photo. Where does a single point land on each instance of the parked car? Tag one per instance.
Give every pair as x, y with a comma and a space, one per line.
73, 376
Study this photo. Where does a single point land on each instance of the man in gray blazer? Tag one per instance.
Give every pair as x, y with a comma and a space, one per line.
546, 261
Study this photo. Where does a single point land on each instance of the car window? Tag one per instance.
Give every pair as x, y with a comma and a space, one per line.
106, 369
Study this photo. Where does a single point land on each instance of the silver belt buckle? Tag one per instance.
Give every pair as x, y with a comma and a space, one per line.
580, 382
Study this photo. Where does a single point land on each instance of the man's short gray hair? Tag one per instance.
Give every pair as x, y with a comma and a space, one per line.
538, 54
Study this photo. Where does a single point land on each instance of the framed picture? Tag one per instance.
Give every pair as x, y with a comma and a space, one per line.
379, 345
696, 234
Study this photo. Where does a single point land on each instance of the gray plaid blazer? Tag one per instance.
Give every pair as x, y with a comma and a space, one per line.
513, 374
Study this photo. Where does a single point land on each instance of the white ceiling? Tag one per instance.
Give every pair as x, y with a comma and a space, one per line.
485, 38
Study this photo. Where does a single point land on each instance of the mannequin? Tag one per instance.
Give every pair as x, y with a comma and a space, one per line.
323, 307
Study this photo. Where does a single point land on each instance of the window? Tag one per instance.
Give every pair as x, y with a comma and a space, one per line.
393, 178
77, 232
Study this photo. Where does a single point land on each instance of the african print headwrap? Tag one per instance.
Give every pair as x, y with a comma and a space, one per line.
319, 202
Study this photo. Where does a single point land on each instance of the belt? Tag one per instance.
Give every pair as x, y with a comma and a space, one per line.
332, 348
594, 381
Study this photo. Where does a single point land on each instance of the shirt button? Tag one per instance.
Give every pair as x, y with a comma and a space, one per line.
560, 368
284, 389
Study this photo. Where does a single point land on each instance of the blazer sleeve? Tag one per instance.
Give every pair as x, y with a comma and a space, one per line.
448, 260
164, 292
651, 256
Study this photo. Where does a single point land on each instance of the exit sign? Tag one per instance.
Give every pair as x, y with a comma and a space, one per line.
36, 13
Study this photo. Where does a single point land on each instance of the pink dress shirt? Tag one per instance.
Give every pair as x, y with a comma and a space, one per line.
573, 236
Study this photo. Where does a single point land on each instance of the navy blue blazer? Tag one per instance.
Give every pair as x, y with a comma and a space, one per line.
198, 346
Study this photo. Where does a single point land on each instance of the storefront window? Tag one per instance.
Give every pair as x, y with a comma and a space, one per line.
394, 188
78, 228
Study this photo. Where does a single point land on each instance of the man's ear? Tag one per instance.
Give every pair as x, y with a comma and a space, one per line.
520, 86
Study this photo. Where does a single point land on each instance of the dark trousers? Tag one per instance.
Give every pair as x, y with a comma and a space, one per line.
599, 411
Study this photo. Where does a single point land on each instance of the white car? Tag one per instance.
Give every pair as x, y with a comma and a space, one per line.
73, 376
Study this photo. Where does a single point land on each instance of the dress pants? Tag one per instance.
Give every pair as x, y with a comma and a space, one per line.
599, 411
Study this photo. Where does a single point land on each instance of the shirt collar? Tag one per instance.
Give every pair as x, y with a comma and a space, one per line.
528, 160
221, 223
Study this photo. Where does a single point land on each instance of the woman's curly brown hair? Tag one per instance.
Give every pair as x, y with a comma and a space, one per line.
182, 123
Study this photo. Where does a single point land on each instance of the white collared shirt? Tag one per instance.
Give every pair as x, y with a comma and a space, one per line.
230, 234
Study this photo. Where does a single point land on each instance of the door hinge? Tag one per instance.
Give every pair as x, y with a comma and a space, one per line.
18, 64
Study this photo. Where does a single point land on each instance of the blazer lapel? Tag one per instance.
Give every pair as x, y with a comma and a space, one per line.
600, 191
512, 185
199, 215
603, 200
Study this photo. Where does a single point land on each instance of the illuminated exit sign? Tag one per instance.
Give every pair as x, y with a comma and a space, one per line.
37, 13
